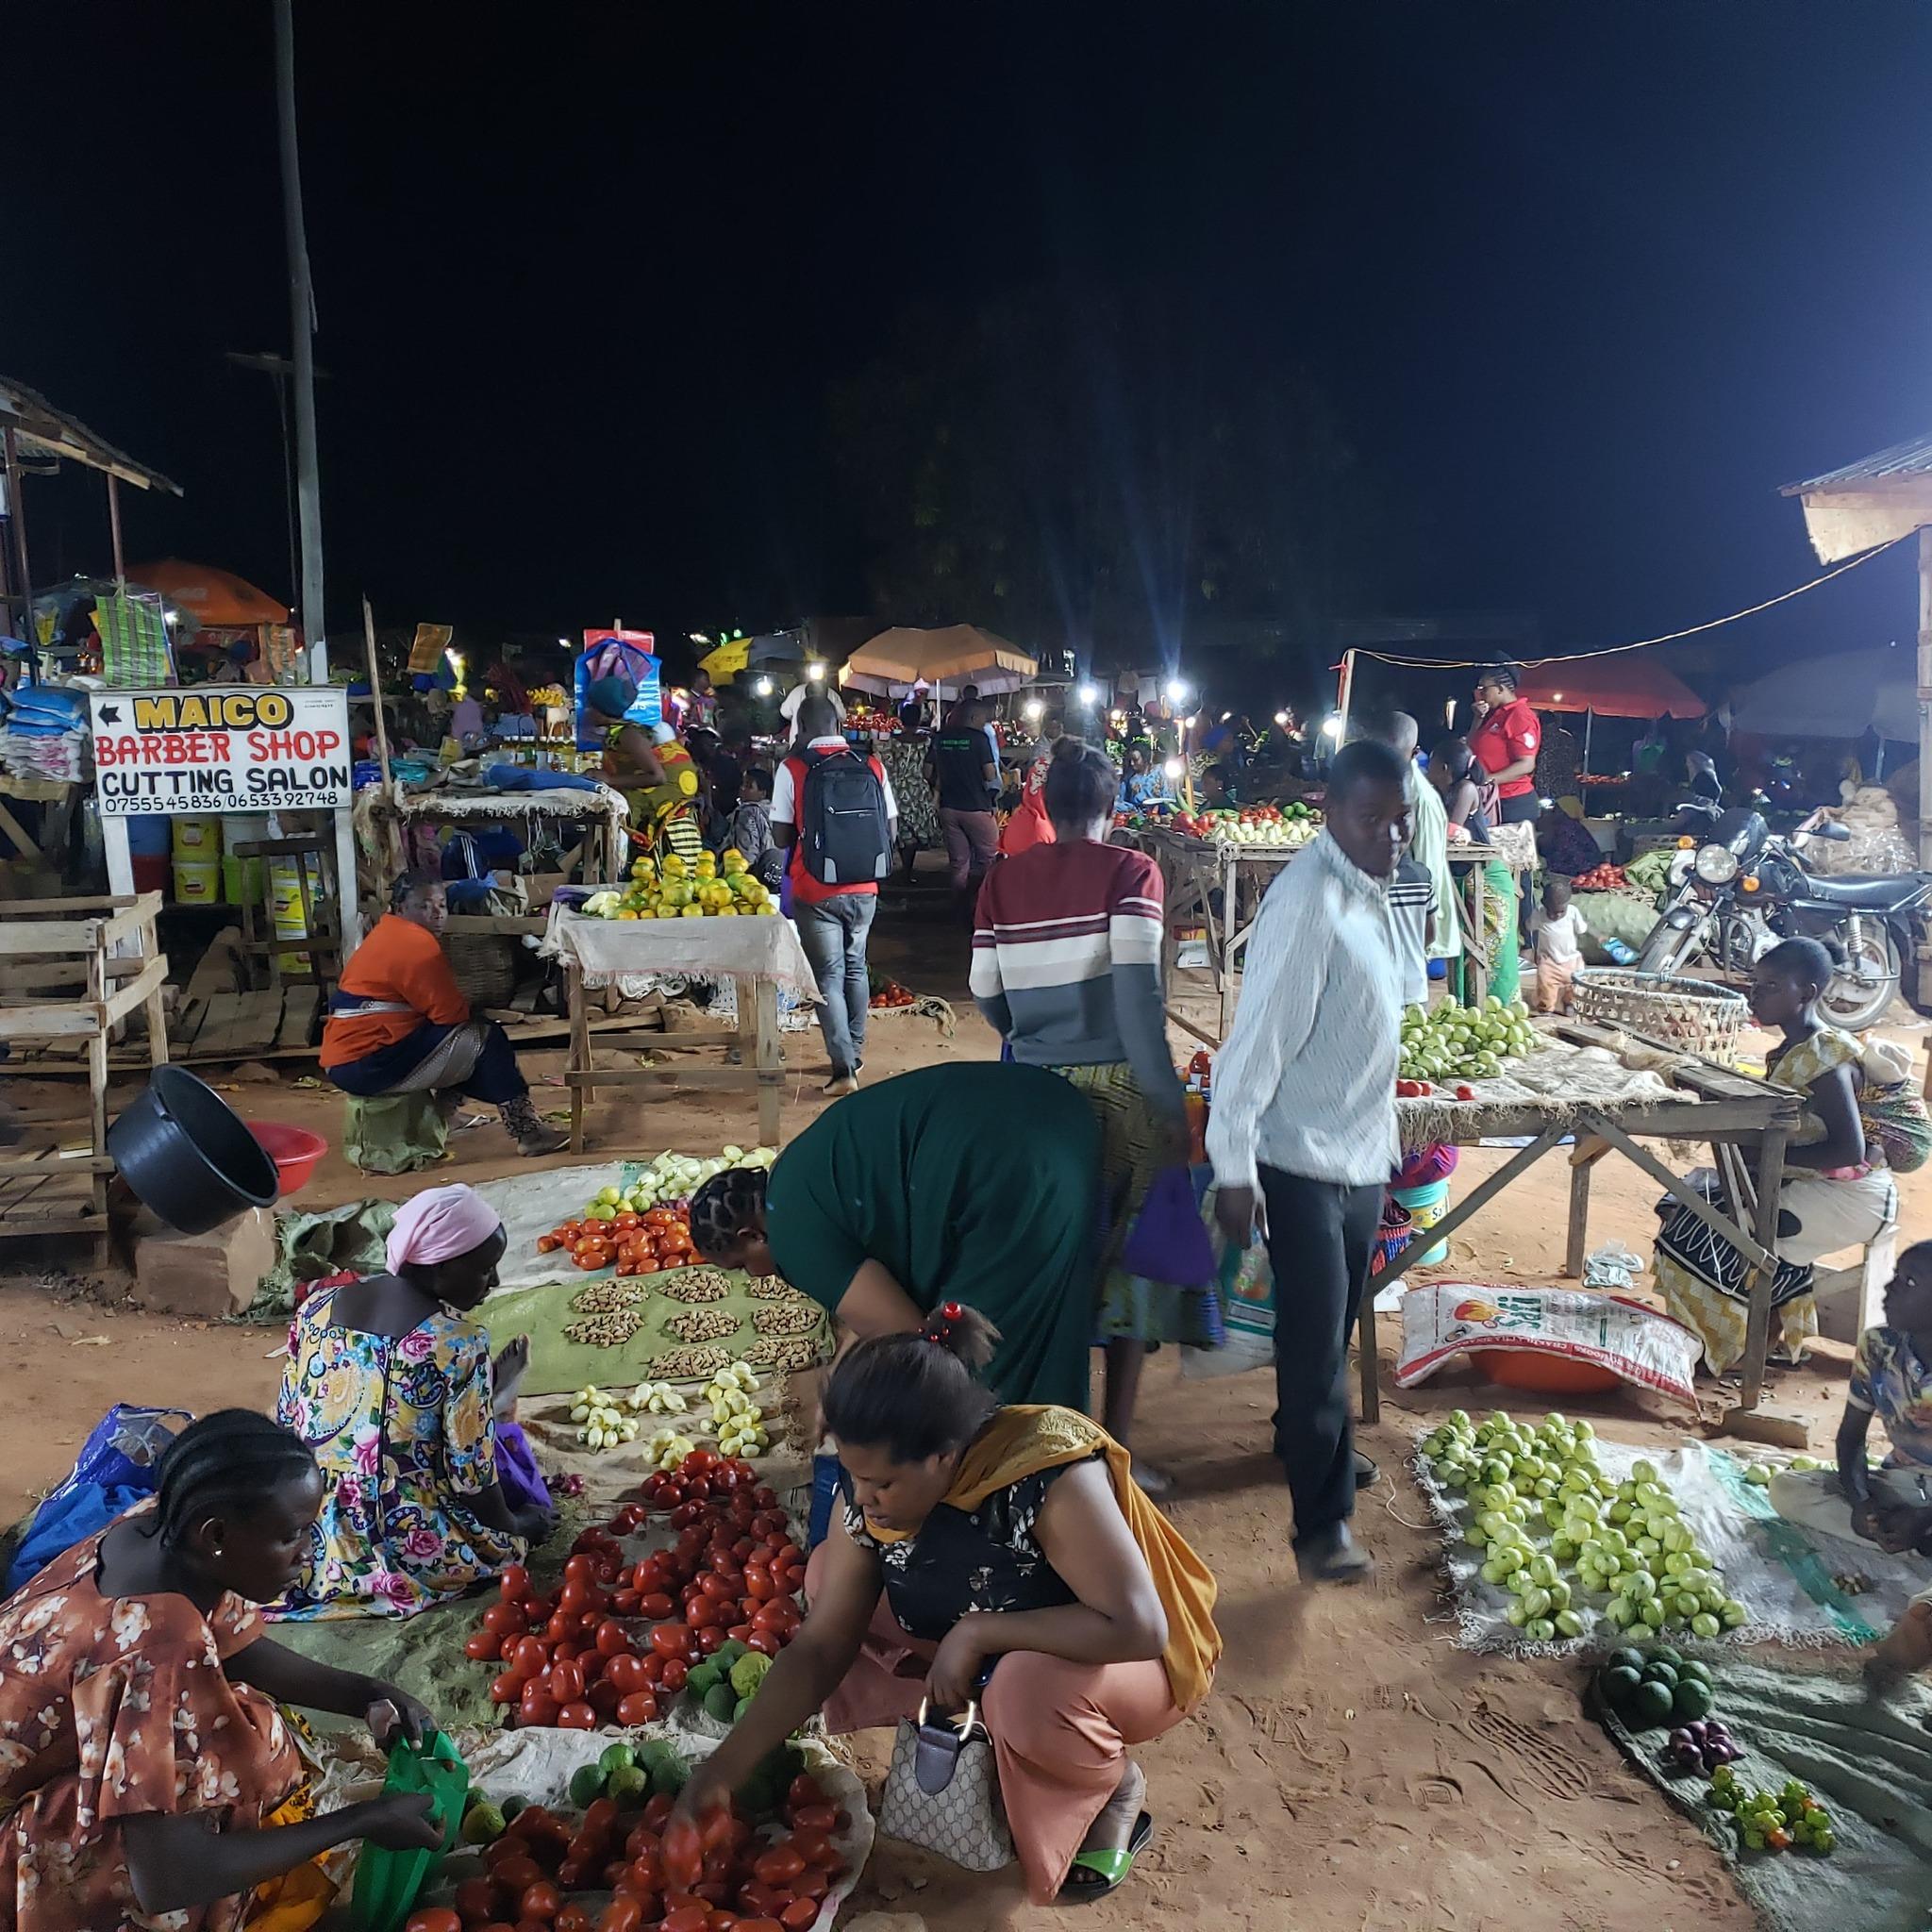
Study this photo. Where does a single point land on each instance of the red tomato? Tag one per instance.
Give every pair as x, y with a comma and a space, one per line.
739, 1633
505, 1688
779, 1866
670, 1639
531, 1657
657, 1606
535, 1706
806, 1790
541, 1901
505, 1619
688, 1919
625, 1601
483, 1647
815, 1881
517, 1874
758, 1583
574, 1918
567, 1682
706, 1613
604, 1697
799, 1914
812, 1846
475, 1899
438, 1919
620, 1915
765, 1641
676, 1672
657, 1812
576, 1717
819, 1818
637, 1707
611, 1639
625, 1674
683, 1852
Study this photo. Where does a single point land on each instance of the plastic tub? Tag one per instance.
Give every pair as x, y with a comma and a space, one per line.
197, 883
150, 871
1426, 1205
196, 837
189, 1156
293, 1150
1548, 1374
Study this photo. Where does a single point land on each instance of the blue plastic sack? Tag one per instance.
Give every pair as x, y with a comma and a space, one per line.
122, 1448
1169, 1240
67, 1517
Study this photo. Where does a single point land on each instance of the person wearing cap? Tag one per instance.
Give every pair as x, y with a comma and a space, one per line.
429, 1484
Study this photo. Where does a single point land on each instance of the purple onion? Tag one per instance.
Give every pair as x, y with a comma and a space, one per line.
1697, 1732
1679, 1738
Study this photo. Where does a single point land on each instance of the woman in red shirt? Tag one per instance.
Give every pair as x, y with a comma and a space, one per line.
1505, 741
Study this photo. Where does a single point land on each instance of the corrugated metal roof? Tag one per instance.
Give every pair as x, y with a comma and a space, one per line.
1904, 459
41, 426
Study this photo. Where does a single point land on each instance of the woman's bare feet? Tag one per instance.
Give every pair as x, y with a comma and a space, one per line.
1114, 1828
512, 1363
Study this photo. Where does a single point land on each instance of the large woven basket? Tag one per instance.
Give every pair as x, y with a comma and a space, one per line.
1688, 1015
484, 965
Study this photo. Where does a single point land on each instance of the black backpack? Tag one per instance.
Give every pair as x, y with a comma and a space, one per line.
843, 829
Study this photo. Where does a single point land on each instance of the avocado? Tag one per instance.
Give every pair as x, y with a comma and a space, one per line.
1652, 1705
1692, 1699
1619, 1686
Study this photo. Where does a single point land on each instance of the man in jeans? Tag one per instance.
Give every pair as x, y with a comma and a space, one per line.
965, 774
832, 919
1302, 1137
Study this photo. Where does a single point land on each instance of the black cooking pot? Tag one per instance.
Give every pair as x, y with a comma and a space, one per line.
189, 1156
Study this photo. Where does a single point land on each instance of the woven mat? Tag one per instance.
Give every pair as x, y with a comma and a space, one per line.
1556, 1084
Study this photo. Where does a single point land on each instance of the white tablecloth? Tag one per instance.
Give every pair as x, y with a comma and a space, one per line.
612, 949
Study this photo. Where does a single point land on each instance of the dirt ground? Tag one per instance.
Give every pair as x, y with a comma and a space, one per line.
1354, 1772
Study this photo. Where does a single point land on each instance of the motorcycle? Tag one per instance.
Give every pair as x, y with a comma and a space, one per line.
1743, 888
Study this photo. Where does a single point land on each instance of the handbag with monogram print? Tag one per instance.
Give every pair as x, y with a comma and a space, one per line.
942, 1791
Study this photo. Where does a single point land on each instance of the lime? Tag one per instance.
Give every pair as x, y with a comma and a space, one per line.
586, 1786
615, 1759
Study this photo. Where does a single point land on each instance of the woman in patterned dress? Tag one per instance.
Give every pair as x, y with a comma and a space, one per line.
996, 1556
903, 757
142, 1757
430, 1489
1838, 1192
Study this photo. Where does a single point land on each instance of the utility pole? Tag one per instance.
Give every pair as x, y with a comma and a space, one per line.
302, 330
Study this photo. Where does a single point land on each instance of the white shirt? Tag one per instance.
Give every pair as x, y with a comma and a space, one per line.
1306, 1080
1556, 938
1430, 842
784, 792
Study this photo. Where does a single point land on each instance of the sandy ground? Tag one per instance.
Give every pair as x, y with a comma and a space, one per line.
1354, 1771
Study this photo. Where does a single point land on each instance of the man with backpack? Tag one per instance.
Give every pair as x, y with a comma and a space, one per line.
834, 808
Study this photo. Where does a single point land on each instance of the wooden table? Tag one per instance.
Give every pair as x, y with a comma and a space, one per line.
1747, 1124
1194, 874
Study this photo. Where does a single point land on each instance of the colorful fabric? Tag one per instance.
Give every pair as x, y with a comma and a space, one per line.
117, 1707
133, 629
970, 1182
400, 964
904, 761
1801, 1066
1898, 1126
1499, 935
1020, 1442
1891, 1382
1131, 1308
439, 1225
402, 1429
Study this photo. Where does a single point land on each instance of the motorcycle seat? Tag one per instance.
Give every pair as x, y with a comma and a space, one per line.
1864, 892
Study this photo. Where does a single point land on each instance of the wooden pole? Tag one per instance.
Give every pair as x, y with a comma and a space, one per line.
376, 692
1344, 697
16, 517
1925, 965
115, 532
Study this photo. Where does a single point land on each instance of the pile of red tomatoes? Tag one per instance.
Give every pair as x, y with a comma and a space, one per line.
713, 1876
653, 1243
576, 1658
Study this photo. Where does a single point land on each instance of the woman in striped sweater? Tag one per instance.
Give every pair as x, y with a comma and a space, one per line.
1066, 965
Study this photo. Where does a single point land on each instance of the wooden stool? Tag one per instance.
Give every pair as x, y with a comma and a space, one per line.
394, 1133
1850, 1300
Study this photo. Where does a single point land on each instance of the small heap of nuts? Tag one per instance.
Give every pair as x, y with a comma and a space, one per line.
783, 1355
799, 1317
612, 1329
702, 1325
689, 1363
694, 1285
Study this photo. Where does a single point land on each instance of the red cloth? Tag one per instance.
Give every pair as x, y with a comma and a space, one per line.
403, 961
1029, 824
1506, 734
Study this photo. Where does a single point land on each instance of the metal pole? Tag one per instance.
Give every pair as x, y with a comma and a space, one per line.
302, 322
1346, 693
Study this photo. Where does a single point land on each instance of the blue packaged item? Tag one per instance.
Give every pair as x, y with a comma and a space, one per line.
825, 1476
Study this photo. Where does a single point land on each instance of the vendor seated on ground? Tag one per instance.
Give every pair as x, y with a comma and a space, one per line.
996, 1557
145, 1772
1892, 1505
431, 1486
1838, 1192
399, 1023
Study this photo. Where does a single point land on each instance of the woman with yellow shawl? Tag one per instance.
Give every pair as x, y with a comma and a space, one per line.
997, 1555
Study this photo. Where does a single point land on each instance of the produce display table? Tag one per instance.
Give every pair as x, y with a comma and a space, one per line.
1466, 861
1195, 875
390, 812
1746, 1122
759, 953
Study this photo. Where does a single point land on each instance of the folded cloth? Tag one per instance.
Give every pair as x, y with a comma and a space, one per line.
502, 778
440, 1223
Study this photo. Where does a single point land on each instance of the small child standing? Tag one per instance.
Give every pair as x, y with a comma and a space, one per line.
1412, 906
1554, 927
749, 828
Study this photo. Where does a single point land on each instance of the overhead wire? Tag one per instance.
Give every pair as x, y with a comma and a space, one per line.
1640, 644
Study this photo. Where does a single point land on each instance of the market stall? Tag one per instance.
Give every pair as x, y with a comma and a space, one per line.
758, 954
1596, 1091
1216, 883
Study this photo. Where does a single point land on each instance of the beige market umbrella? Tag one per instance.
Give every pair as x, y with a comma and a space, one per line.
958, 653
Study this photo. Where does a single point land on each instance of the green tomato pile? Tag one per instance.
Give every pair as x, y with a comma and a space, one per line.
1774, 1821
1452, 1043
1540, 1506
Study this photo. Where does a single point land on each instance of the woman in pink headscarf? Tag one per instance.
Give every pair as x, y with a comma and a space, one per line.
429, 1486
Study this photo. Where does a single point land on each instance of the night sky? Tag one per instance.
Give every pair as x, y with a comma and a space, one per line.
1584, 285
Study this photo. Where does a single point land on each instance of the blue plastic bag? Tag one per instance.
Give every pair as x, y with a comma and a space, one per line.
1168, 1240
122, 1448
70, 1516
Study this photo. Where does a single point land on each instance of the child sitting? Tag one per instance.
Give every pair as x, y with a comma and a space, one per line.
1554, 927
749, 828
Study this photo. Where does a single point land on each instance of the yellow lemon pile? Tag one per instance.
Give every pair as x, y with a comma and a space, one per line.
706, 886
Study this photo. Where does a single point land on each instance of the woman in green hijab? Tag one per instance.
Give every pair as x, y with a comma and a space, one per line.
974, 1183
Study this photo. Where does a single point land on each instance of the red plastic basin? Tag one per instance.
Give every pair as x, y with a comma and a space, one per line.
293, 1150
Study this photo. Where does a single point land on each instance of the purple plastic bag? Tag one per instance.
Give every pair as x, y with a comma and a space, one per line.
1169, 1240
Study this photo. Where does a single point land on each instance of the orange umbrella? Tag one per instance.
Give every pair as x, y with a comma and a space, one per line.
210, 596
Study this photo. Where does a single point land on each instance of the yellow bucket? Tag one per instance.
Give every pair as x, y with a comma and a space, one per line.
197, 882
197, 838
285, 904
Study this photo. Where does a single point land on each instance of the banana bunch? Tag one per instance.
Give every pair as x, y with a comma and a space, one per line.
667, 1448
658, 1398
600, 1422
739, 1421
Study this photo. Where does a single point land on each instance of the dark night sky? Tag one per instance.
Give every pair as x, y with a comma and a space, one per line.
1586, 284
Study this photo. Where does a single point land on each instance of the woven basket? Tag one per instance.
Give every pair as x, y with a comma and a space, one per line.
485, 966
1687, 1015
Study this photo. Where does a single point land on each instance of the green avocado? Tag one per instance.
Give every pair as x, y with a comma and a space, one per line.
586, 1786
1619, 1685
1692, 1699
1652, 1705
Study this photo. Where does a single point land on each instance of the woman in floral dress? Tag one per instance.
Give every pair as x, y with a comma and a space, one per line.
398, 1398
142, 1758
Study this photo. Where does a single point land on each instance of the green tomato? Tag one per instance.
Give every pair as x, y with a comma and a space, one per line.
1704, 1624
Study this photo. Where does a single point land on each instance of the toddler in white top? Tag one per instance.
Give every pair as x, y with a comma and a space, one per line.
1554, 927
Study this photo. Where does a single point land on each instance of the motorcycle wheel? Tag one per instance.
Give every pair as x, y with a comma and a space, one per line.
1667, 950
1862, 990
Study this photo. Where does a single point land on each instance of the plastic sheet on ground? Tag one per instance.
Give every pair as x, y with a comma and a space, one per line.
1868, 1765
1782, 1574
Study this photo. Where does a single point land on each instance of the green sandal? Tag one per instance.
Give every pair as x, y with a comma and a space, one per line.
1109, 1869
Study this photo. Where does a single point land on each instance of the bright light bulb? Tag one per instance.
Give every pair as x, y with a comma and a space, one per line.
564, 642
1177, 691
1331, 727
764, 687
816, 673
1173, 768
1034, 708
1281, 719
1089, 693
1557, 698
1226, 716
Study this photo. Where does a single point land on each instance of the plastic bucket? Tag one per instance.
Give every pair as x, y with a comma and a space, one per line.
197, 883
148, 834
197, 838
1426, 1205
244, 881
285, 904
245, 828
293, 1150
150, 871
189, 1156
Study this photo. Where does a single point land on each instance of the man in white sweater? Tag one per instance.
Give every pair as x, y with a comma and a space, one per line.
1302, 1137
